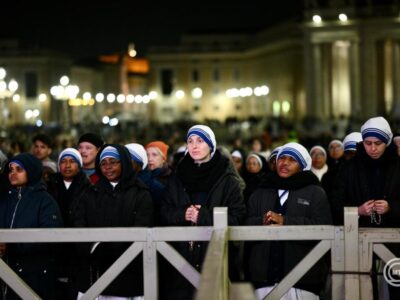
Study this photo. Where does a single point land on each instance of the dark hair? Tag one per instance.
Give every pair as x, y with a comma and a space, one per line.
91, 138
45, 139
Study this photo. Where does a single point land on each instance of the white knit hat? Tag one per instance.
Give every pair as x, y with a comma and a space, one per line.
206, 134
377, 127
298, 152
138, 154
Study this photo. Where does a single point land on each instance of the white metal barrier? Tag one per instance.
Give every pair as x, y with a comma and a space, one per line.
351, 254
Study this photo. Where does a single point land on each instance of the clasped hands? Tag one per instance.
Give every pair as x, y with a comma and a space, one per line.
3, 248
192, 213
379, 206
272, 218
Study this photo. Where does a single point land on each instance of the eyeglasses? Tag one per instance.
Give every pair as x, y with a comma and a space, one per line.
109, 163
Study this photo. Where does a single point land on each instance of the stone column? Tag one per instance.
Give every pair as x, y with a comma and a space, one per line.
355, 80
396, 78
368, 61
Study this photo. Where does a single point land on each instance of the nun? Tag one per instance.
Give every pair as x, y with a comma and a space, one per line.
290, 196
204, 179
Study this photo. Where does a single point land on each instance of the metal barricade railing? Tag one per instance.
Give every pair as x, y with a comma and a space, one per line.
351, 255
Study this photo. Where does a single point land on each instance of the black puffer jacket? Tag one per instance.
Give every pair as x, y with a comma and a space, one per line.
129, 204
362, 179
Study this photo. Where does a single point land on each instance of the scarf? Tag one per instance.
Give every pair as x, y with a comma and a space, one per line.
294, 182
201, 178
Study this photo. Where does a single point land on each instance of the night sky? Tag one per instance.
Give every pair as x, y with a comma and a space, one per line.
84, 29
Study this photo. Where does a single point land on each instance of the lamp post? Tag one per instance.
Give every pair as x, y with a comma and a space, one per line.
64, 92
7, 90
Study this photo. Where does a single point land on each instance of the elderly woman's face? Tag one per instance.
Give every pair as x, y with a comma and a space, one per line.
198, 149
336, 151
374, 147
287, 166
318, 159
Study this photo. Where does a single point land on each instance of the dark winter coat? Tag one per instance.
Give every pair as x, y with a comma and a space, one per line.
129, 204
224, 192
306, 205
362, 179
31, 206
219, 187
68, 200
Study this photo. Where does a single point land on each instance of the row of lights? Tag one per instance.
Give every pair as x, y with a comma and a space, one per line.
317, 19
247, 92
197, 92
65, 91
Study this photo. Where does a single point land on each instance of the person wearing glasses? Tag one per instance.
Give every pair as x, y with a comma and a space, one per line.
118, 199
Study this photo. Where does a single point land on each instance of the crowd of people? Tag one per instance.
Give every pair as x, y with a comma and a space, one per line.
98, 184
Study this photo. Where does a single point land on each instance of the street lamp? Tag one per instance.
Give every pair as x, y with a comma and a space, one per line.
64, 92
7, 90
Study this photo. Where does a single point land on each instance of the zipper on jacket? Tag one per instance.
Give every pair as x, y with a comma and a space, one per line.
19, 196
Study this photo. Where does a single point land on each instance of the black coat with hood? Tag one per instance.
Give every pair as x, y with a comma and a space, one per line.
31, 206
128, 204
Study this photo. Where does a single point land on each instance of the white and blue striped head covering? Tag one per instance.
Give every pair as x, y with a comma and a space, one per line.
206, 134
298, 152
350, 141
377, 127
110, 151
274, 153
138, 154
71, 152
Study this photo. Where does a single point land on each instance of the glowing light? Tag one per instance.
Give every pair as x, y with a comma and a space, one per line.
343, 17
42, 97
16, 98
105, 119
64, 80
99, 97
197, 93
179, 94
153, 95
317, 19
110, 98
